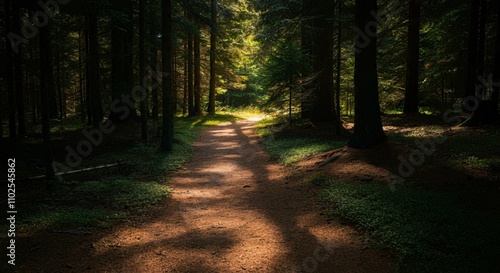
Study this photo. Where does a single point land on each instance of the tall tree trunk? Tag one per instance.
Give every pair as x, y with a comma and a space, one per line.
481, 39
33, 89
186, 91
142, 68
306, 29
290, 97
46, 77
412, 58
175, 77
213, 49
472, 49
59, 84
367, 122
191, 109
9, 65
323, 107
94, 78
339, 69
197, 76
53, 110
121, 66
129, 54
484, 112
18, 63
80, 77
153, 40
88, 94
167, 139
488, 106
496, 67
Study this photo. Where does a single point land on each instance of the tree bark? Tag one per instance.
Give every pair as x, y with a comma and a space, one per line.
88, 94
412, 58
367, 122
9, 65
323, 105
496, 67
191, 109
142, 68
59, 84
34, 94
213, 49
153, 40
482, 38
46, 77
472, 49
121, 66
306, 45
339, 69
167, 139
197, 76
174, 77
129, 54
94, 78
18, 73
185, 78
80, 77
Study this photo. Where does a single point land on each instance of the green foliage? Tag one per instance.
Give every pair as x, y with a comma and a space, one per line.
431, 231
283, 74
288, 148
122, 193
47, 217
292, 150
108, 198
473, 144
474, 162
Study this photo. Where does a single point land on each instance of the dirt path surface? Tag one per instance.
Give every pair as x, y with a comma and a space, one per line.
231, 210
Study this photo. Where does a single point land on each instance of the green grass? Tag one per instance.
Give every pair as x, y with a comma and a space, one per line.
289, 148
47, 217
429, 231
409, 135
244, 113
476, 163
267, 126
123, 193
486, 143
292, 150
421, 110
108, 197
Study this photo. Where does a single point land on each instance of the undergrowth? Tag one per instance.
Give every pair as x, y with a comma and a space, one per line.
429, 231
287, 147
121, 194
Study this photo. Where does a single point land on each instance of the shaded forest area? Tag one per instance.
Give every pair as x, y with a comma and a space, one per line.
96, 95
76, 61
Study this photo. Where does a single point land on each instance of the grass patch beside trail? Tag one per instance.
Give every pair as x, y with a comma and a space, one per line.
121, 194
244, 113
430, 231
292, 150
289, 148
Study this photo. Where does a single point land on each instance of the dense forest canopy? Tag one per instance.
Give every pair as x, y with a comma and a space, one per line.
109, 62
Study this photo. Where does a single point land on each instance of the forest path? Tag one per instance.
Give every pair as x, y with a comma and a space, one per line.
233, 210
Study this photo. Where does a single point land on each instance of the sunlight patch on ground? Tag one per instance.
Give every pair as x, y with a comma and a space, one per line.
258, 118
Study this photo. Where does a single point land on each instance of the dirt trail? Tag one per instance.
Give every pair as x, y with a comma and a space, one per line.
231, 210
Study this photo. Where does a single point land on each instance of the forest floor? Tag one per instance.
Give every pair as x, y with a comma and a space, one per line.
235, 207
232, 209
